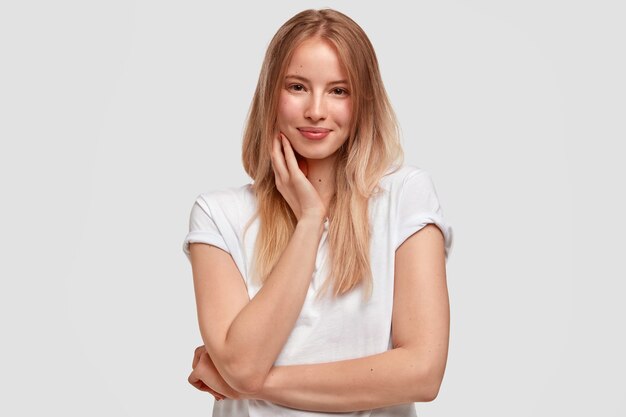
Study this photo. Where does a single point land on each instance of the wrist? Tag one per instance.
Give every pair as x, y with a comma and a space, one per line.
313, 220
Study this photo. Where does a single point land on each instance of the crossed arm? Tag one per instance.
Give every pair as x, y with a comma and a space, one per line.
410, 372
381, 380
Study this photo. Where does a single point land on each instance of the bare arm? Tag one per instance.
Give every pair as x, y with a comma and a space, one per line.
411, 372
244, 337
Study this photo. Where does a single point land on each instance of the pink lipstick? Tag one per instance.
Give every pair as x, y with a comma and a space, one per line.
314, 133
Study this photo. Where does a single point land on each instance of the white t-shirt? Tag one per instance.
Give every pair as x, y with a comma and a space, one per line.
330, 329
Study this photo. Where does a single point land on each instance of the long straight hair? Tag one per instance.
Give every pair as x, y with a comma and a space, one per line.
373, 146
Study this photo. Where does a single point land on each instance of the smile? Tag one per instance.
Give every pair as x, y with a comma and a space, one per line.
314, 133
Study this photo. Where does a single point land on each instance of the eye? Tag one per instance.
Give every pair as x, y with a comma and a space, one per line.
296, 87
340, 91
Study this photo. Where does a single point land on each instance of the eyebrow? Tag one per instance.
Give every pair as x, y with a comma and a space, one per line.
298, 77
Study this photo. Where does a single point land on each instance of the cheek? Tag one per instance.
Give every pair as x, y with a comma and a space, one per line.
288, 109
343, 112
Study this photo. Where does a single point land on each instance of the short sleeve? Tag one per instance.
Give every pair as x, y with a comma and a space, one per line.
202, 227
418, 205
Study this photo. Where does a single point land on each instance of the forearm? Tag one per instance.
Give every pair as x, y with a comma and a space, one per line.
389, 378
259, 332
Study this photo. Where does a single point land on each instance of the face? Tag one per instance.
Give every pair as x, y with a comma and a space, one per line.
315, 98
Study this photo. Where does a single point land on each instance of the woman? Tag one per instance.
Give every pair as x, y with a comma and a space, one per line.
331, 206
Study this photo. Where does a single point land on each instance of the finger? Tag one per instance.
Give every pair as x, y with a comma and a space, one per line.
217, 395
200, 385
279, 159
196, 356
211, 391
302, 164
290, 157
205, 388
273, 165
194, 380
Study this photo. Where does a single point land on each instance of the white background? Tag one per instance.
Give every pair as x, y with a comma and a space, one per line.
115, 115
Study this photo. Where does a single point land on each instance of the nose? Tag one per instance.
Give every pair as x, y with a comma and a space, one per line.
316, 108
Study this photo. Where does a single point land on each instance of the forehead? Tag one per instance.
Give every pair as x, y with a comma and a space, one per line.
316, 58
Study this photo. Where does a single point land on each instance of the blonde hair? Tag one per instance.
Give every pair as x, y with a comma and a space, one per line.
372, 147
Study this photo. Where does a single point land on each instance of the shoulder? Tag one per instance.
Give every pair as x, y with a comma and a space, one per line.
227, 198
397, 176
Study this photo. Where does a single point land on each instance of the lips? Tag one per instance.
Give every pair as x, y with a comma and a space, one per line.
314, 129
314, 133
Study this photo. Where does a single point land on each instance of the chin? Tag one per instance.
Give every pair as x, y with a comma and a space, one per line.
316, 156
310, 153
307, 155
